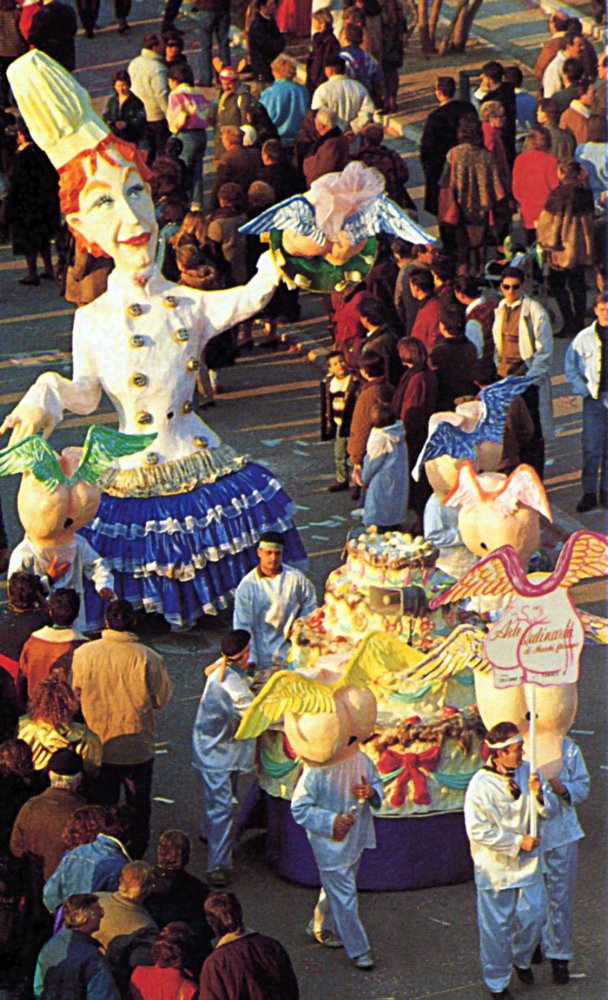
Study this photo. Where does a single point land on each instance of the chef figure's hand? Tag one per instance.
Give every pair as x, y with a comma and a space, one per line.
35, 421
342, 824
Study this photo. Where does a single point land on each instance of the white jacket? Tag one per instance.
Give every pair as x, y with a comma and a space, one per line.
583, 362
535, 348
148, 74
564, 827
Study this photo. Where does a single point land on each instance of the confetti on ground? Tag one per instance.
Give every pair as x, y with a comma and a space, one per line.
299, 506
273, 442
159, 752
437, 921
301, 454
583, 732
322, 524
161, 798
320, 538
603, 767
303, 444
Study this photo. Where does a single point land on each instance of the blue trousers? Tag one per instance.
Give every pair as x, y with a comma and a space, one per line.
559, 872
337, 909
510, 922
210, 23
216, 822
595, 441
194, 144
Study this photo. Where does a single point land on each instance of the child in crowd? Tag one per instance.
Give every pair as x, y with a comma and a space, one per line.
385, 473
375, 388
338, 395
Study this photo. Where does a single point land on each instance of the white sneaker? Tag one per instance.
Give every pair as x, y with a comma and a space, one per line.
364, 961
327, 938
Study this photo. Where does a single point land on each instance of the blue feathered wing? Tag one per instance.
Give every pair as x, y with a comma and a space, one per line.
383, 216
294, 213
447, 439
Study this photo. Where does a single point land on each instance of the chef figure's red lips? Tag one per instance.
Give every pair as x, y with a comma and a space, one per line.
136, 241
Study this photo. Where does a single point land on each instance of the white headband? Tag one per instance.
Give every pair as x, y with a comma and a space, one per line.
506, 743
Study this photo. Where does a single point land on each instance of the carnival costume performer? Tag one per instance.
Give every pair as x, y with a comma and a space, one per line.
506, 858
178, 524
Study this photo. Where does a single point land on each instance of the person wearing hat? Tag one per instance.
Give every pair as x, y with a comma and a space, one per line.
36, 837
269, 599
217, 756
180, 521
231, 108
506, 858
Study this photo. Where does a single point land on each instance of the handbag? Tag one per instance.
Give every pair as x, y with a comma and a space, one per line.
448, 209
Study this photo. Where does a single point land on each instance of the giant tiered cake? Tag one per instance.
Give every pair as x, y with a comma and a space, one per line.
428, 735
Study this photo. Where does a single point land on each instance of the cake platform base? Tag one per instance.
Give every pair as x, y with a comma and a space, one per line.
412, 853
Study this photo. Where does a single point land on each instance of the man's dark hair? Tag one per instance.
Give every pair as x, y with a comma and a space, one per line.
446, 85
151, 41
422, 279
469, 130
573, 69
172, 38
272, 149
64, 605
452, 318
334, 354
173, 850
513, 272
274, 537
373, 310
224, 913
467, 285
550, 108
353, 33
120, 822
540, 138
181, 73
514, 75
372, 364
24, 590
336, 62
79, 908
401, 247
560, 21
412, 351
443, 266
235, 642
500, 732
120, 616
493, 70
570, 37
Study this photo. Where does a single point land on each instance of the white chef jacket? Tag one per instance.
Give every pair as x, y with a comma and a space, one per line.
267, 607
496, 824
323, 792
141, 346
221, 708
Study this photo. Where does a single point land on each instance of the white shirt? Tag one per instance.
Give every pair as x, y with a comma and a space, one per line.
83, 560
348, 99
267, 607
552, 81
564, 827
323, 792
473, 330
496, 824
221, 708
148, 74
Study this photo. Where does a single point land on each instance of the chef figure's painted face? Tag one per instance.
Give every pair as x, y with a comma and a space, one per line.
116, 212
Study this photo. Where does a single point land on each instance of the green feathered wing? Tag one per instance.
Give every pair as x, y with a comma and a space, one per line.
33, 454
101, 446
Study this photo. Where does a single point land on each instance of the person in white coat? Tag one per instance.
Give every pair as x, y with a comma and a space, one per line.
268, 601
217, 756
559, 836
332, 803
385, 473
523, 340
508, 880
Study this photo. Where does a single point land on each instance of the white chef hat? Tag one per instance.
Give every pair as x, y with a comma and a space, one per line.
55, 108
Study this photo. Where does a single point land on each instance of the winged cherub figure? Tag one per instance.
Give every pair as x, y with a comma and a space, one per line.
337, 215
58, 496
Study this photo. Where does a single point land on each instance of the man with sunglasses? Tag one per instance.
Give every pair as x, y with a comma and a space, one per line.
524, 346
508, 878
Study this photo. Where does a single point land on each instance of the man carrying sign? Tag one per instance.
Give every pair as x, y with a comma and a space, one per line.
508, 879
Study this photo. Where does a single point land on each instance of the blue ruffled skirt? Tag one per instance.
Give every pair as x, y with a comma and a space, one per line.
184, 554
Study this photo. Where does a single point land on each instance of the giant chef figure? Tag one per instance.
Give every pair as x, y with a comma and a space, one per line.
179, 522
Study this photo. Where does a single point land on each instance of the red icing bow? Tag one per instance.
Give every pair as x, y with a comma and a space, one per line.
415, 766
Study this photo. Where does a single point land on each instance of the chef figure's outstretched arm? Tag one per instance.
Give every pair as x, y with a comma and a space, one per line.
227, 307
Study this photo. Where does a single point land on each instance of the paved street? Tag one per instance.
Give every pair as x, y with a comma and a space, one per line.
425, 942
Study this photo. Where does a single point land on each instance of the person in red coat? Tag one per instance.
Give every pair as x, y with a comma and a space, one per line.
414, 402
426, 324
534, 178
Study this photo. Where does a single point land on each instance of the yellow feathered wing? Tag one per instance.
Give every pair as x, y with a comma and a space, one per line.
286, 691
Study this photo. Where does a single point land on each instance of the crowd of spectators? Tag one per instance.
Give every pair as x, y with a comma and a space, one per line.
427, 328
